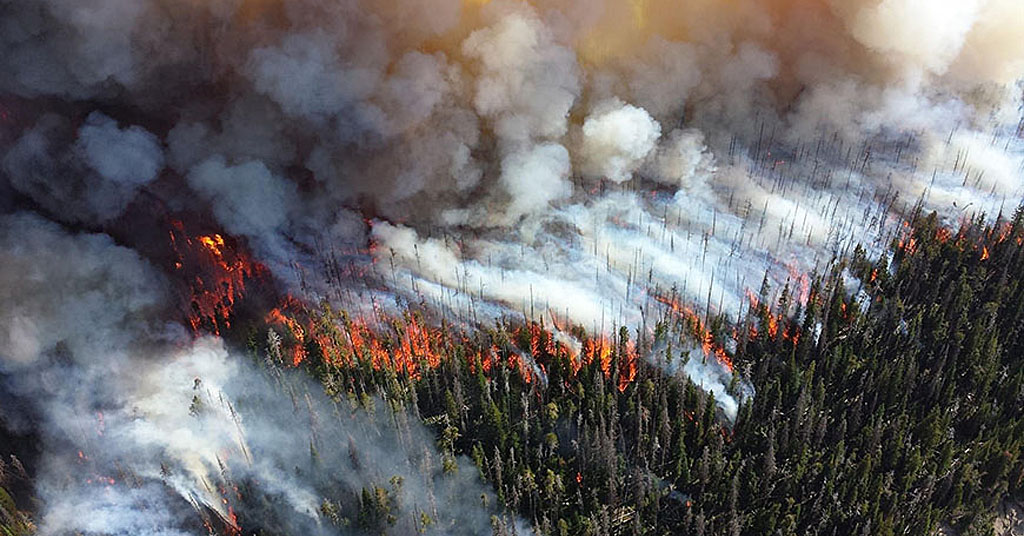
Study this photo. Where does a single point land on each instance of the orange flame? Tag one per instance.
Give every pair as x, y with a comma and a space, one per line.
216, 274
409, 346
708, 344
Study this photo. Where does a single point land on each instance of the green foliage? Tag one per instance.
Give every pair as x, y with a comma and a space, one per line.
886, 403
12, 521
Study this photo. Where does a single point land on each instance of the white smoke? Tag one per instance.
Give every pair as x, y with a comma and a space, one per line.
247, 199
616, 139
683, 160
130, 155
535, 178
528, 82
142, 425
576, 159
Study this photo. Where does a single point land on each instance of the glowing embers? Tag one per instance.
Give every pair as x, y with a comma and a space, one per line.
215, 271
91, 474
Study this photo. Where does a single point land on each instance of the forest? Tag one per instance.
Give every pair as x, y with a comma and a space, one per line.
890, 402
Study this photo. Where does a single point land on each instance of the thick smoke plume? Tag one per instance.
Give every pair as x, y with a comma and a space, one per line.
547, 159
146, 428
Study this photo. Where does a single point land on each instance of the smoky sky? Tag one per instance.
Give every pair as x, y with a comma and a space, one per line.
567, 159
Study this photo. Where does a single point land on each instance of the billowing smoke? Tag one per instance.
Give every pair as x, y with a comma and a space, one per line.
100, 168
147, 430
616, 139
554, 158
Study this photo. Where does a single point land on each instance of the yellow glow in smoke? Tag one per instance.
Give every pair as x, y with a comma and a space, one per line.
624, 27
639, 13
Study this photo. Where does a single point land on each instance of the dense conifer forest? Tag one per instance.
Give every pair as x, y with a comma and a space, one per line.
890, 403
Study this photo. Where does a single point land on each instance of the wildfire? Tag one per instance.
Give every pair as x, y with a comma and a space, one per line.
216, 274
274, 317
627, 372
213, 243
909, 245
599, 350
964, 239
408, 345
708, 344
803, 283
790, 332
773, 326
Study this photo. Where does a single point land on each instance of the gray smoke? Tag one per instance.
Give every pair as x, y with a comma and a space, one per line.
555, 158
143, 426
87, 176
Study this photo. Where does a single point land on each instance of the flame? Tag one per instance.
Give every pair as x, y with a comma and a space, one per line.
790, 331
708, 344
416, 344
214, 243
773, 326
216, 274
802, 286
628, 368
964, 238
600, 350
908, 245
408, 345
276, 316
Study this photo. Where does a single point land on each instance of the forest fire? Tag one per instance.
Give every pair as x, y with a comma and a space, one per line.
709, 345
600, 350
771, 320
966, 237
408, 345
309, 250
803, 283
216, 273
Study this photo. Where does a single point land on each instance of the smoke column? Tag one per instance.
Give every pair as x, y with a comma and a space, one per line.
578, 160
146, 428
